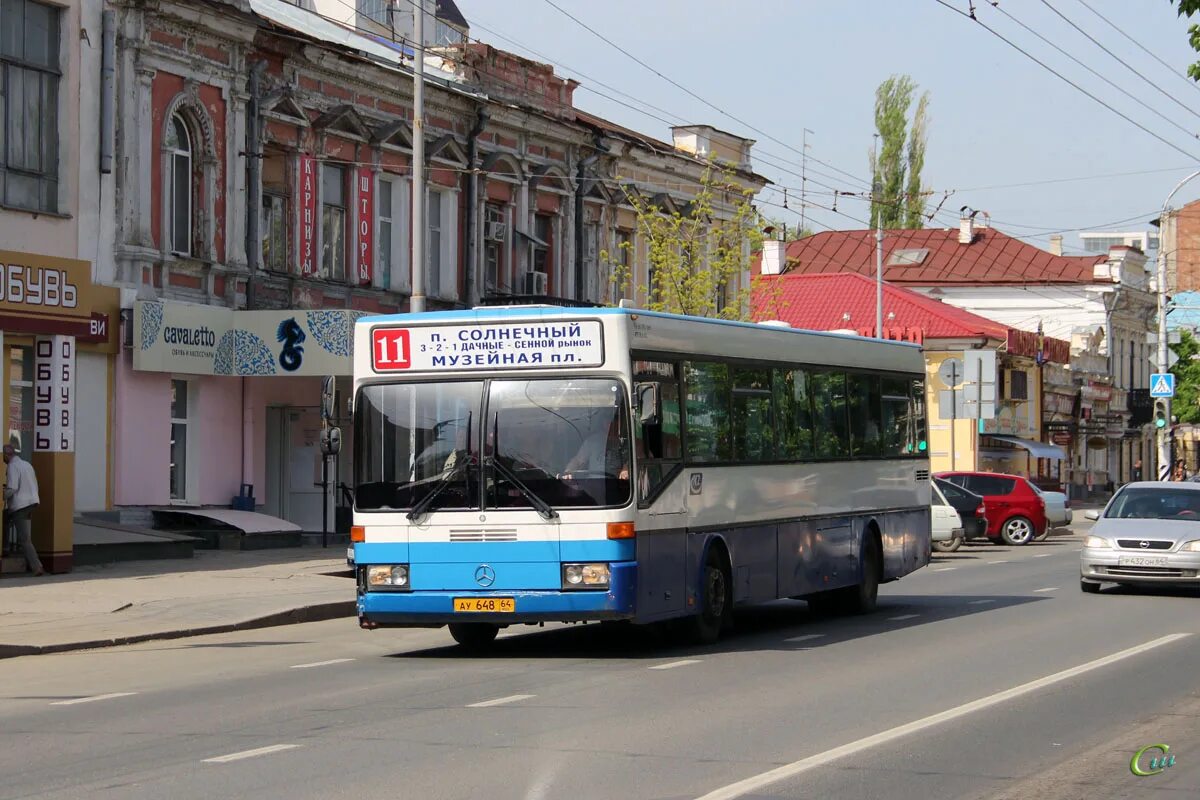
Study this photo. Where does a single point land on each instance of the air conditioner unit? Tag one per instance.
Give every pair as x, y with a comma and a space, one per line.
495, 231
1016, 385
537, 283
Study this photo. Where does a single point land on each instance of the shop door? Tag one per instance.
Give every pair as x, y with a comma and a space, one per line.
294, 466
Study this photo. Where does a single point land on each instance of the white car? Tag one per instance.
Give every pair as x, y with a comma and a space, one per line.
947, 524
1058, 511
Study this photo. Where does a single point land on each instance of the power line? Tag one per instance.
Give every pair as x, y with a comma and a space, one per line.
1123, 62
1139, 45
686, 90
1062, 77
1077, 178
1107, 80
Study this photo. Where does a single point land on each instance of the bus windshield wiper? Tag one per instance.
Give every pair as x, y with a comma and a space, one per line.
426, 503
543, 508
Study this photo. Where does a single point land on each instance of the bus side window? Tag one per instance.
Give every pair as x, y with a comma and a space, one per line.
659, 445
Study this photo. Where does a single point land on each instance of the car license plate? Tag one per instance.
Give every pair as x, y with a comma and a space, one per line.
1142, 561
485, 605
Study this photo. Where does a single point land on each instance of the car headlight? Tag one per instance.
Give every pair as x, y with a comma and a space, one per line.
1192, 546
387, 576
1096, 542
585, 576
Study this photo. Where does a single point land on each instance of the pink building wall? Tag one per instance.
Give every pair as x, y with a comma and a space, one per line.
141, 435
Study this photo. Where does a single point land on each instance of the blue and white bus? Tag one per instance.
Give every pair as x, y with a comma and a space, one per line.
525, 465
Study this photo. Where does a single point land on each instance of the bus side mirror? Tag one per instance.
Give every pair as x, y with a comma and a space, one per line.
331, 441
647, 403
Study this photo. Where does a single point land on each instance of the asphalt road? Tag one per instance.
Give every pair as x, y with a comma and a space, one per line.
987, 675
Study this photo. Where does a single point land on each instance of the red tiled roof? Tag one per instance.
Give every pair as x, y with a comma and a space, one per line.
992, 258
819, 302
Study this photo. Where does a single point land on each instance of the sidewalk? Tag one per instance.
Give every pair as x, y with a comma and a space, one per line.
216, 591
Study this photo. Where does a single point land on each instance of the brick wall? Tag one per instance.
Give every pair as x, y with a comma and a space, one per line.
1188, 253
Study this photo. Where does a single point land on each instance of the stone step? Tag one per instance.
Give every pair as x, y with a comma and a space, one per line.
13, 565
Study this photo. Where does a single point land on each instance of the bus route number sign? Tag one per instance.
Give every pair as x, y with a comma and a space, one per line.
494, 346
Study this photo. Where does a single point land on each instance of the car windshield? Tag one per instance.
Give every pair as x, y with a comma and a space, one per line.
565, 441
1154, 503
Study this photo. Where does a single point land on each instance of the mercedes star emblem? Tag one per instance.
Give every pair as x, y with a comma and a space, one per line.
485, 576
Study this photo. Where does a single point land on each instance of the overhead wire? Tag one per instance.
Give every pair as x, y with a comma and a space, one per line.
1139, 45
1062, 77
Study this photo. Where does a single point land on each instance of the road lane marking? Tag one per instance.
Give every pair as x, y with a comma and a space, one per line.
944, 569
674, 664
1001, 561
258, 751
805, 638
757, 782
499, 701
92, 699
321, 663
980, 602
903, 616
1047, 589
1043, 555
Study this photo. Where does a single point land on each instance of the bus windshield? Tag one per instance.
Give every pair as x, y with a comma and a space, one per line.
565, 441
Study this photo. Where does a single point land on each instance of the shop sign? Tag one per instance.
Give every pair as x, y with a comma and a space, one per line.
1061, 438
306, 204
45, 285
54, 395
204, 340
366, 217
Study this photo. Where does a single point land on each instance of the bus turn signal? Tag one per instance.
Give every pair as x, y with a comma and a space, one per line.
358, 533
620, 530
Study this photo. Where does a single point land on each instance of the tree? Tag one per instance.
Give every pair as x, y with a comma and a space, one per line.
1186, 405
898, 199
1186, 9
698, 250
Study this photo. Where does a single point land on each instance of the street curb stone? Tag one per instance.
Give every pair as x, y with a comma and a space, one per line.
313, 613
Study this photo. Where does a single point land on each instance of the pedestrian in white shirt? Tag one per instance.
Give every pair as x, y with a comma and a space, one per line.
21, 494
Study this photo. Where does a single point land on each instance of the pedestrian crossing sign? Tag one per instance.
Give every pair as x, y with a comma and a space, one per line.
1162, 384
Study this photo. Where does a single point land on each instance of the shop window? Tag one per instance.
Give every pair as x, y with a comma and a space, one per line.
180, 433
333, 222
20, 399
181, 186
29, 84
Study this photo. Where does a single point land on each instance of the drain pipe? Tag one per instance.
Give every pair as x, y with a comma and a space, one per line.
580, 173
481, 120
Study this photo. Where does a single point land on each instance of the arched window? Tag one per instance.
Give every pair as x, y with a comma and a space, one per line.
179, 187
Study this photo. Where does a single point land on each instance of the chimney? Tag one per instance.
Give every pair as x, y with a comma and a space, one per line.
772, 256
1056, 244
966, 226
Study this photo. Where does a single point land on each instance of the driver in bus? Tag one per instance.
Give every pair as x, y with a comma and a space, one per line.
601, 452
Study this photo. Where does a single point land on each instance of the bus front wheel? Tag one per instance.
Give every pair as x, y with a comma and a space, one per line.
474, 635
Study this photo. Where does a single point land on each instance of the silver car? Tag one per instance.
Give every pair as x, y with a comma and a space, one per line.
1148, 533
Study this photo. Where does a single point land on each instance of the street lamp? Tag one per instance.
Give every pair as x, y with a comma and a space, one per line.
1164, 455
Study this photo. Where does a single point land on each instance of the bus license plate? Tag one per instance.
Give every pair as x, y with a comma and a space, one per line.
485, 605
1142, 561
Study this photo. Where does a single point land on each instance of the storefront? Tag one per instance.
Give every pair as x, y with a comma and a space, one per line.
58, 339
1060, 398
213, 399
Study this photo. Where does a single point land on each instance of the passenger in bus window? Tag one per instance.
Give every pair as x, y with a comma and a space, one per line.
601, 453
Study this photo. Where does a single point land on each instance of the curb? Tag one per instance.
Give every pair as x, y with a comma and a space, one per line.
295, 616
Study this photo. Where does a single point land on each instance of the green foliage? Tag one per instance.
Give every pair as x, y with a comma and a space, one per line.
1186, 405
1186, 9
696, 257
898, 199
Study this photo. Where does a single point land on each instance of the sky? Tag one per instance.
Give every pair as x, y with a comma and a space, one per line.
768, 69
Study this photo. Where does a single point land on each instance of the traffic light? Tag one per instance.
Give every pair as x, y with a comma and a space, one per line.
1160, 414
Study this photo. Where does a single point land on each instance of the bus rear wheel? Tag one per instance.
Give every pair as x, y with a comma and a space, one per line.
474, 635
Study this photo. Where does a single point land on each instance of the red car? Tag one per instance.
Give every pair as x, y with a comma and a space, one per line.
1016, 512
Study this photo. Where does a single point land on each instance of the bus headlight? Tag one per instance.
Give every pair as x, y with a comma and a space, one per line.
585, 576
387, 576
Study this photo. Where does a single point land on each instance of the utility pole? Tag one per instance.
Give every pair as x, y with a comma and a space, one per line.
803, 179
1164, 442
875, 190
417, 301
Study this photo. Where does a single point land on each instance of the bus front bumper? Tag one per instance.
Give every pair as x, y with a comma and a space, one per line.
434, 608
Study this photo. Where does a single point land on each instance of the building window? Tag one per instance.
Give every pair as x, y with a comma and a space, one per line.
376, 11
434, 243
495, 247
179, 439
592, 278
439, 244
383, 232
543, 230
274, 247
333, 222
622, 283
180, 186
29, 77
20, 399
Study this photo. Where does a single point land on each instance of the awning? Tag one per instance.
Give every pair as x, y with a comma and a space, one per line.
1036, 449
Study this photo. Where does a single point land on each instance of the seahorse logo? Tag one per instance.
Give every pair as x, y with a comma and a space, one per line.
291, 335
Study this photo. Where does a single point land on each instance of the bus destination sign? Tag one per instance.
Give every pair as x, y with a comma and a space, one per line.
494, 346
